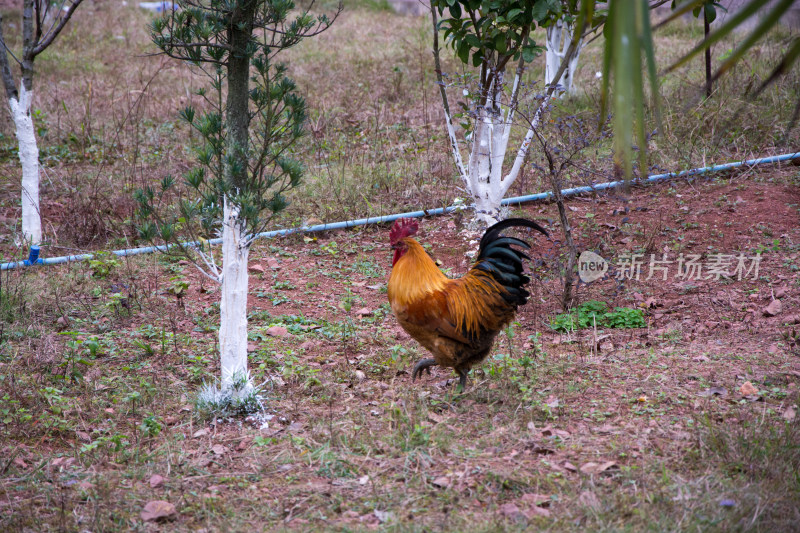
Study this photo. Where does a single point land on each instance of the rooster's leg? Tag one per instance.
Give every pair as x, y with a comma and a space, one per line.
462, 383
420, 367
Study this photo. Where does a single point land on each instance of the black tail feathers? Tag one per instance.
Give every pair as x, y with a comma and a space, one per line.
504, 263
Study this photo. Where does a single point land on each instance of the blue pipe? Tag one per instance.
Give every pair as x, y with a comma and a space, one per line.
653, 179
33, 257
34, 253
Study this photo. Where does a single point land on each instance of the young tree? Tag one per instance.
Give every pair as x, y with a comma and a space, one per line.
560, 33
490, 36
245, 161
559, 36
42, 21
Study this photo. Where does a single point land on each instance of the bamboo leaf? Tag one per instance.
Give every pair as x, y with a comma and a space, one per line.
731, 24
783, 67
767, 23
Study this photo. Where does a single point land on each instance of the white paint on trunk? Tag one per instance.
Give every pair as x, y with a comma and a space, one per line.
29, 158
483, 174
559, 36
233, 304
485, 179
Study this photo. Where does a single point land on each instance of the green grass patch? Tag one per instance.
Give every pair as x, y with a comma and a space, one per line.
595, 313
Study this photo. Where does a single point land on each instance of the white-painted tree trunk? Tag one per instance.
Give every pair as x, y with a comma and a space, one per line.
29, 158
485, 169
559, 36
485, 179
483, 175
233, 304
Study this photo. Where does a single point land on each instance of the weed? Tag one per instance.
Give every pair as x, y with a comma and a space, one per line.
240, 398
103, 264
595, 313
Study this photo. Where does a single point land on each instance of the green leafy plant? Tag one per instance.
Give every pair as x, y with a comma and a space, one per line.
150, 426
103, 264
595, 313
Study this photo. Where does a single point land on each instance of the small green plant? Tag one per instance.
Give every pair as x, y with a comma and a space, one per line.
284, 286
595, 313
263, 441
241, 398
103, 264
178, 287
397, 352
418, 438
150, 426
78, 355
331, 247
117, 301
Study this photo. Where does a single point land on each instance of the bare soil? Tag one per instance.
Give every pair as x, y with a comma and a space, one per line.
626, 435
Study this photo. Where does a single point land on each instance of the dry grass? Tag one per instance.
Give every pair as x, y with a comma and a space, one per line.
99, 362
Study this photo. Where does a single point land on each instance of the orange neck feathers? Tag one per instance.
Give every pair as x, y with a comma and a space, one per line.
414, 274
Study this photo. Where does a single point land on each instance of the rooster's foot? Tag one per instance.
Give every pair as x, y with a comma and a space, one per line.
419, 368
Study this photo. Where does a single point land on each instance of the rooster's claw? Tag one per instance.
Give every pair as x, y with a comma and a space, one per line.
422, 366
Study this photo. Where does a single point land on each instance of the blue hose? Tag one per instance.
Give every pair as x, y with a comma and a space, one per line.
34, 253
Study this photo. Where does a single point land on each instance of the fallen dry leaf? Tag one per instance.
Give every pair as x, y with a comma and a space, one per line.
589, 499
535, 499
436, 418
442, 482
512, 512
538, 511
218, 449
383, 516
62, 461
158, 511
747, 389
597, 468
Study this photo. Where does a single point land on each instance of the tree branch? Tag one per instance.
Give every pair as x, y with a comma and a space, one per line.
451, 132
5, 68
534, 122
55, 29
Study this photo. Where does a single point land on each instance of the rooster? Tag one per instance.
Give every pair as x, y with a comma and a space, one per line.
457, 320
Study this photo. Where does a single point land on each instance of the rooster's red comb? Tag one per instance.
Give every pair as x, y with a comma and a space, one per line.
403, 227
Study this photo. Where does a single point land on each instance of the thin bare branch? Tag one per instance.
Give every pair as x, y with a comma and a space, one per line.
47, 40
451, 132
